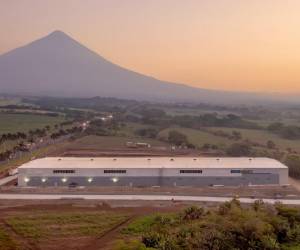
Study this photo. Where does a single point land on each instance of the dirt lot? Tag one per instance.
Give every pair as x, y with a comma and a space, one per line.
255, 192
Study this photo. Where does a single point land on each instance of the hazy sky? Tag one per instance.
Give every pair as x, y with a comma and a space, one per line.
221, 44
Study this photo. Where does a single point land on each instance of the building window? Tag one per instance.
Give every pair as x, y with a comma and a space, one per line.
235, 171
63, 171
114, 171
191, 171
246, 171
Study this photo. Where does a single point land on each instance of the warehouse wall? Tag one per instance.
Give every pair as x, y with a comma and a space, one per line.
152, 177
263, 179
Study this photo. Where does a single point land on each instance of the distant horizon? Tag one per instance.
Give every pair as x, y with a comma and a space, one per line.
226, 45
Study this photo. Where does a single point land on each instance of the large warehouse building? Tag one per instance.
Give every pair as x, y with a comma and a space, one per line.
156, 171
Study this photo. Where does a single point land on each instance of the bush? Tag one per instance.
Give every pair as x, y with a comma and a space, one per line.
193, 213
152, 239
177, 138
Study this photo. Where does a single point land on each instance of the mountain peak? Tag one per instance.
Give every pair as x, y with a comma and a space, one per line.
55, 39
57, 33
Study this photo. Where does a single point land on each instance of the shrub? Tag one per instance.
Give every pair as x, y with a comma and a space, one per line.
193, 213
177, 138
152, 239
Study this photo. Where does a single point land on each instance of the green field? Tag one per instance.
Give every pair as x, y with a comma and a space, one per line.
198, 137
11, 123
267, 122
262, 136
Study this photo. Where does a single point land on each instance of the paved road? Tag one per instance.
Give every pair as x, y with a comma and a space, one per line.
135, 198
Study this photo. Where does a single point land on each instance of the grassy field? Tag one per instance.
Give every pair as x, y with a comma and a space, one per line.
10, 123
65, 224
197, 137
140, 225
262, 136
61, 229
267, 122
129, 129
94, 142
6, 241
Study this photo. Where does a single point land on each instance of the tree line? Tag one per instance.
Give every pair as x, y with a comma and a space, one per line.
230, 226
290, 132
159, 117
36, 133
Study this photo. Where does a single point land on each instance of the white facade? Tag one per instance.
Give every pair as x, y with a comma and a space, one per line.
153, 171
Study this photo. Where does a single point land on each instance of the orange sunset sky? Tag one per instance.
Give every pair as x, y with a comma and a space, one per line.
249, 45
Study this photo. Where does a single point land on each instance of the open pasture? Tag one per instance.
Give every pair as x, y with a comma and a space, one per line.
11, 123
262, 136
197, 137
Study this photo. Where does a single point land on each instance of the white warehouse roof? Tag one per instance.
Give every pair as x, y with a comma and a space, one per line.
153, 162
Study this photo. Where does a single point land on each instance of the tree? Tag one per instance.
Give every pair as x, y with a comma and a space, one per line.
193, 213
177, 138
271, 144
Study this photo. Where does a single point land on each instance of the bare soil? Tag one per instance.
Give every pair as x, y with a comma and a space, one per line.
255, 192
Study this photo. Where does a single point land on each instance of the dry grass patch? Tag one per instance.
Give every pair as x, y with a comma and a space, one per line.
65, 224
